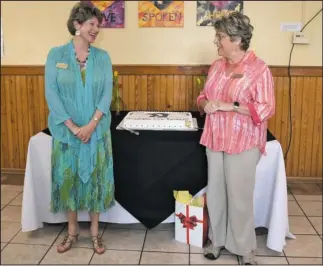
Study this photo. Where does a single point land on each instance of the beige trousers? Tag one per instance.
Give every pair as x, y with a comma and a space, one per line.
231, 182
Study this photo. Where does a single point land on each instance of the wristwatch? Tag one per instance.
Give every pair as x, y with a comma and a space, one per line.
96, 120
236, 105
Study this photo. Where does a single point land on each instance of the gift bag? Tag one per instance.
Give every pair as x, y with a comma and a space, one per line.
191, 219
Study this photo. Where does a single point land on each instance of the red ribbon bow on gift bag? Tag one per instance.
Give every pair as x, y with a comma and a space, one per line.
188, 222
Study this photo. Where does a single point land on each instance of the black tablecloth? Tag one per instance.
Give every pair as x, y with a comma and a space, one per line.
148, 167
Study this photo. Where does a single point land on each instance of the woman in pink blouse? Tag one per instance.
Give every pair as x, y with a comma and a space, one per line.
238, 99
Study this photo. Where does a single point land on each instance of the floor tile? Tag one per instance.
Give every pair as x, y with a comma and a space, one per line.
305, 261
22, 254
301, 225
12, 188
317, 223
308, 198
222, 260
290, 197
42, 236
271, 260
84, 239
262, 248
11, 214
164, 258
9, 230
17, 201
7, 196
73, 256
3, 245
124, 239
304, 246
164, 241
305, 189
198, 250
311, 208
165, 226
294, 209
117, 257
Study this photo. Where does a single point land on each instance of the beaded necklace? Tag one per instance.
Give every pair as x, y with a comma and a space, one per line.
83, 63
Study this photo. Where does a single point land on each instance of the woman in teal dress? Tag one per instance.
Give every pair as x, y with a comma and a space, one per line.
78, 89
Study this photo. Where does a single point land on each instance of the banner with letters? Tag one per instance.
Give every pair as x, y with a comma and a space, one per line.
113, 13
160, 14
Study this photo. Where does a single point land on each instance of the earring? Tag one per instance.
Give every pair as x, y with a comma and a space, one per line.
77, 32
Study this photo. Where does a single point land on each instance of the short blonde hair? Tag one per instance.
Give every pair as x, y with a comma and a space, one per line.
236, 25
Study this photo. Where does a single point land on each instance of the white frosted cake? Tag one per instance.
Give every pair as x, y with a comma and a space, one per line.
158, 121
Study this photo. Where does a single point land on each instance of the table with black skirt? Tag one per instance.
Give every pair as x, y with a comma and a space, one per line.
147, 169
149, 166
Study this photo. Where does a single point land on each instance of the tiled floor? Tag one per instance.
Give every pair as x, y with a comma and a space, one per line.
133, 244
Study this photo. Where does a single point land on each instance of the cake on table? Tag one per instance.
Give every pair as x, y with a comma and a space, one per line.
140, 120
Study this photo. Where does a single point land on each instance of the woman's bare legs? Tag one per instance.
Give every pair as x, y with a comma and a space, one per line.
96, 238
72, 235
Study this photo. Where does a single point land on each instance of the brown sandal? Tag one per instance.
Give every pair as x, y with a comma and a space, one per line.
97, 244
67, 243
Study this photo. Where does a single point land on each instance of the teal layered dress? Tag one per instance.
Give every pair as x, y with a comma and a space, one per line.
82, 174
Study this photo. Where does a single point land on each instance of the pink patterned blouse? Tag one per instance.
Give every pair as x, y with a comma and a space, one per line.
250, 83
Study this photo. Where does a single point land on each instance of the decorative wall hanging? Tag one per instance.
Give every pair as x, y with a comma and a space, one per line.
208, 11
161, 13
113, 13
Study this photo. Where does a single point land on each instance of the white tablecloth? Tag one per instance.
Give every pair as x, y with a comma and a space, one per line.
270, 195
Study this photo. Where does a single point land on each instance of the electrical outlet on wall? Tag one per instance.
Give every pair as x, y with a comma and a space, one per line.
300, 38
291, 26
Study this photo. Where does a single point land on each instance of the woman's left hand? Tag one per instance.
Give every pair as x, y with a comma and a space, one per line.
85, 132
223, 106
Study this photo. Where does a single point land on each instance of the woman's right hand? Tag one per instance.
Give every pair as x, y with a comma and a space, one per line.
75, 130
72, 127
85, 132
211, 107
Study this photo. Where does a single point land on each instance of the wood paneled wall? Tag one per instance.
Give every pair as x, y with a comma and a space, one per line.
24, 110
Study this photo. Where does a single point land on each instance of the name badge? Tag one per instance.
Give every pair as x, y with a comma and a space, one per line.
61, 65
237, 76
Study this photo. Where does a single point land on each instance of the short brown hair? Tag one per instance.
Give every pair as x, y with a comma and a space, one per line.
82, 12
236, 25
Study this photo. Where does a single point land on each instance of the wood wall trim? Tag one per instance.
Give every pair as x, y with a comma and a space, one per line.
308, 179
281, 71
12, 171
24, 110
